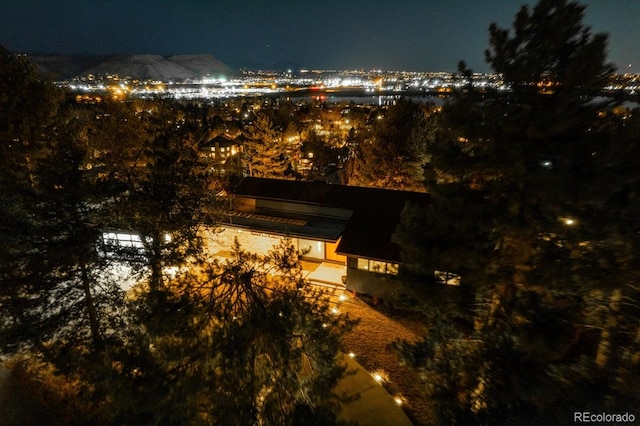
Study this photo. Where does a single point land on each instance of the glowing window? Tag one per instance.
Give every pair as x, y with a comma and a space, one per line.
447, 278
376, 266
363, 264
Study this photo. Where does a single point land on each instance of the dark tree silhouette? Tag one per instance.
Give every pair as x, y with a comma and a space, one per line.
49, 289
249, 342
394, 156
538, 230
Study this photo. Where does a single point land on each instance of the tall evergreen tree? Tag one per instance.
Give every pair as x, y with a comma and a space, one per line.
265, 150
534, 169
166, 197
249, 342
59, 303
393, 158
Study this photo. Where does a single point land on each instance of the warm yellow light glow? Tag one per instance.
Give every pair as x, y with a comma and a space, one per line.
569, 221
398, 400
335, 310
352, 355
342, 297
377, 377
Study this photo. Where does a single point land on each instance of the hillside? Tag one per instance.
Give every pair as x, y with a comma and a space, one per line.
202, 65
142, 67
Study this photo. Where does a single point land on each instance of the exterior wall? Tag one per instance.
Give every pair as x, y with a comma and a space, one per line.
371, 283
221, 242
218, 152
359, 280
330, 252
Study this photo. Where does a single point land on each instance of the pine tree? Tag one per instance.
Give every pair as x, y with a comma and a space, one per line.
243, 341
393, 158
59, 302
542, 228
165, 198
265, 151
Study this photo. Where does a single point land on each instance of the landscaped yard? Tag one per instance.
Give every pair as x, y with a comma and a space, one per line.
371, 340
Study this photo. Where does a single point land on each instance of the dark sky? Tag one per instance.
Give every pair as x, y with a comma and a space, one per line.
424, 35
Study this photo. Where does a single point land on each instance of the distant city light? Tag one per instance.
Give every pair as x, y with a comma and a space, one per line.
256, 83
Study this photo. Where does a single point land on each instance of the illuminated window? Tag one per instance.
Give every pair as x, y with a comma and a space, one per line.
122, 244
122, 240
377, 266
448, 278
392, 268
311, 248
363, 264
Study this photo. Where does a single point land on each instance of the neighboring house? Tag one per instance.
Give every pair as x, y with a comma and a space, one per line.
218, 150
344, 225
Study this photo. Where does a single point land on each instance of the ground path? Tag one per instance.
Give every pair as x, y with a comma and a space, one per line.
371, 340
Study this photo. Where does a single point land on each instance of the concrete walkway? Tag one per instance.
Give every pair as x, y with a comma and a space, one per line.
374, 407
324, 272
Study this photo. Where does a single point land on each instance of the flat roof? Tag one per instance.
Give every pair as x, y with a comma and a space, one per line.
367, 233
295, 225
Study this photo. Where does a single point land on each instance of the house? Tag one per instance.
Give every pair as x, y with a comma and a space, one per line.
219, 150
346, 226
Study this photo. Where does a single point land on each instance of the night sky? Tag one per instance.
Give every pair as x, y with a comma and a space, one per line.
420, 35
